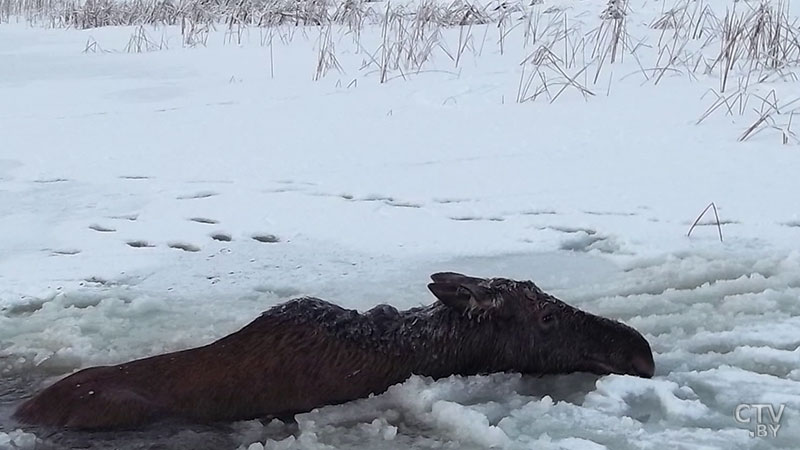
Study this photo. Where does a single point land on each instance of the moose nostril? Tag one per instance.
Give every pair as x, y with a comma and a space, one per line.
644, 366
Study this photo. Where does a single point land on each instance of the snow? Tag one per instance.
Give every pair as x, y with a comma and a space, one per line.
157, 201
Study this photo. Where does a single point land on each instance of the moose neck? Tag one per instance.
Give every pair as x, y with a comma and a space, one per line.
438, 341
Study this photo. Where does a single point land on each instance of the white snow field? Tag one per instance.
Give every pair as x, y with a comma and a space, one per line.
159, 188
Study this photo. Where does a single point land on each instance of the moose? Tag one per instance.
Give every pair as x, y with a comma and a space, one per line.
307, 353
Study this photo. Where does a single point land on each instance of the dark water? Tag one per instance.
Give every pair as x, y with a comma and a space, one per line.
15, 388
159, 437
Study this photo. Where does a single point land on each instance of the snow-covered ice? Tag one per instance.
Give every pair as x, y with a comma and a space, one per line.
159, 200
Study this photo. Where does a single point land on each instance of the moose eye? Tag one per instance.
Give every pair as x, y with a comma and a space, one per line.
548, 321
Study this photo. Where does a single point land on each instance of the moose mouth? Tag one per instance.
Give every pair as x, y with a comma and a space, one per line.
639, 367
599, 367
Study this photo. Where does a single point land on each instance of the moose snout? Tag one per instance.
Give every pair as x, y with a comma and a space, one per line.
643, 365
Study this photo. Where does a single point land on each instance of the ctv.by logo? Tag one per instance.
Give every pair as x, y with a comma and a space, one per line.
764, 418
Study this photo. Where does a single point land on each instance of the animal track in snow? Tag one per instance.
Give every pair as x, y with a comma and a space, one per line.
447, 201
302, 183
376, 198
477, 219
538, 212
128, 217
197, 195
290, 186
281, 190
222, 237
134, 177
204, 220
139, 244
792, 224
65, 252
183, 246
609, 213
568, 229
97, 280
713, 222
391, 201
101, 228
50, 180
402, 204
266, 238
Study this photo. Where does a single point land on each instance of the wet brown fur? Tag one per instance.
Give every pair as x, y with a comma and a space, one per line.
307, 353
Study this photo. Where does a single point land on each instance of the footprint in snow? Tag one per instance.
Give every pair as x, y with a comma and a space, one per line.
204, 220
65, 252
568, 229
609, 213
184, 246
447, 201
281, 190
128, 217
197, 195
713, 222
476, 219
376, 198
139, 244
101, 228
302, 183
134, 177
391, 201
402, 204
96, 280
539, 212
222, 237
266, 238
50, 180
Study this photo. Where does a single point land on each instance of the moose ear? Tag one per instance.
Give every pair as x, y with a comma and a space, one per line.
467, 298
